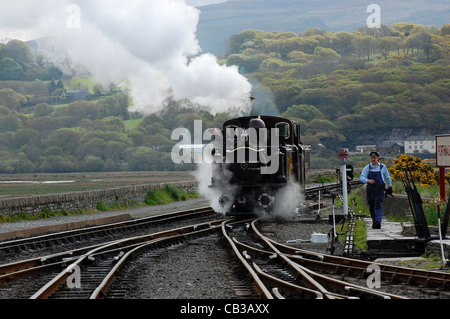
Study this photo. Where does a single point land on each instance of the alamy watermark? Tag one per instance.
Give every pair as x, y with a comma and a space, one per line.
374, 20
374, 280
74, 278
74, 19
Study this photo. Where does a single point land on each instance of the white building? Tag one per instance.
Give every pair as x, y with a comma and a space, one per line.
420, 144
365, 148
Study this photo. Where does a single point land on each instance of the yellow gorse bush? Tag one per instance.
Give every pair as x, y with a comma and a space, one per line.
422, 173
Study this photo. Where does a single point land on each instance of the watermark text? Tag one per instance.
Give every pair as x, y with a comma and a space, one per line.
374, 20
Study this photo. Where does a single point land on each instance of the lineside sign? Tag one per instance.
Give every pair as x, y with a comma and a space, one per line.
443, 150
442, 160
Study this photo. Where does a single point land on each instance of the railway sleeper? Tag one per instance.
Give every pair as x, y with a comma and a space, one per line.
117, 294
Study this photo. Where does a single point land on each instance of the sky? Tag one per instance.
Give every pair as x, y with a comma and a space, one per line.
148, 46
198, 3
27, 32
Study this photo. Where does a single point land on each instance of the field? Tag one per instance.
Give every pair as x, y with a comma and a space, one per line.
16, 185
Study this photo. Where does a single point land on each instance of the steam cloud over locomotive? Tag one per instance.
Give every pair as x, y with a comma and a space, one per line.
259, 165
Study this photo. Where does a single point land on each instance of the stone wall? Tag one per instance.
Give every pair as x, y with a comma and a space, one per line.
84, 200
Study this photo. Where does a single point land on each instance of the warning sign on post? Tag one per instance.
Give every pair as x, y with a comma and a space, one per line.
443, 150
343, 154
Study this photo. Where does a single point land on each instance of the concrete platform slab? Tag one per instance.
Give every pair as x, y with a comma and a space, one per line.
389, 241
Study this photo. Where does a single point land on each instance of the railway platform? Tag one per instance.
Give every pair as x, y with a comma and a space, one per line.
389, 241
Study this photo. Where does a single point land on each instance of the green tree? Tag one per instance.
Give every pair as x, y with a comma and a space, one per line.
327, 54
10, 122
10, 70
25, 136
272, 65
364, 46
386, 44
342, 43
137, 137
66, 138
12, 99
245, 39
144, 159
421, 41
92, 163
246, 64
20, 52
4, 111
94, 146
82, 109
115, 105
42, 109
303, 111
57, 164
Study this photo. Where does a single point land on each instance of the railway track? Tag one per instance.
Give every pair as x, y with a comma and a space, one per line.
100, 265
36, 243
268, 269
312, 192
88, 272
281, 271
72, 244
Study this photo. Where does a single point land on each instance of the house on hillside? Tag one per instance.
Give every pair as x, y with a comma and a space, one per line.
361, 149
391, 147
420, 144
75, 95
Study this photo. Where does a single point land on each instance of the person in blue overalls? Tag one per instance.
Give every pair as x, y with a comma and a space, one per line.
375, 174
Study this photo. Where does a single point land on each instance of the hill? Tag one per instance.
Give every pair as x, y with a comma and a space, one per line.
353, 88
219, 22
345, 88
56, 123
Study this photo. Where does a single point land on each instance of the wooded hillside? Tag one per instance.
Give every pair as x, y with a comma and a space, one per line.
347, 88
344, 88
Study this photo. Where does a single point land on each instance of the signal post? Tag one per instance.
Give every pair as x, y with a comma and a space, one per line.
343, 156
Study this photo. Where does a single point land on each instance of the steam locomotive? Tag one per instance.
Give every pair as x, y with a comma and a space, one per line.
258, 161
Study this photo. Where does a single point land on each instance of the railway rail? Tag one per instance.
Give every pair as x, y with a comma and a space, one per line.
358, 268
282, 271
72, 236
276, 275
66, 242
311, 192
98, 264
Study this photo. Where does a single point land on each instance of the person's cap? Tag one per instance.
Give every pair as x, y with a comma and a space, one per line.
374, 154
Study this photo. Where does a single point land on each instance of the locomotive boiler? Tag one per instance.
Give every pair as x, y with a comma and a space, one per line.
257, 158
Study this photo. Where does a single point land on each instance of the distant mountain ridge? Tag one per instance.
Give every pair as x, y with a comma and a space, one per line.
219, 22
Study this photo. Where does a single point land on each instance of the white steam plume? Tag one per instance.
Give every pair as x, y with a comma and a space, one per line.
149, 45
288, 200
